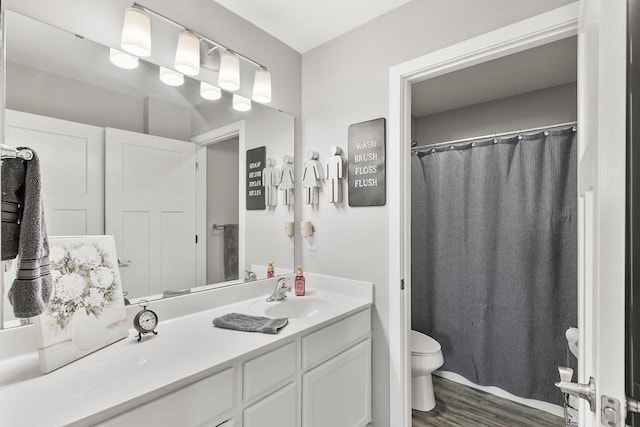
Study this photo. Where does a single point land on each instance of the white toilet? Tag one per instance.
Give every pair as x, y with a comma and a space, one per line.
426, 357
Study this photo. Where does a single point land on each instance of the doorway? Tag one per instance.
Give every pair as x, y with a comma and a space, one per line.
494, 187
534, 32
217, 156
222, 210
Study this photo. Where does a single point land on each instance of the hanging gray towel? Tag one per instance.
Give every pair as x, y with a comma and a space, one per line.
246, 323
24, 234
230, 243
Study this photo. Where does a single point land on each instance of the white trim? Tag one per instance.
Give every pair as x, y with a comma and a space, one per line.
536, 31
212, 137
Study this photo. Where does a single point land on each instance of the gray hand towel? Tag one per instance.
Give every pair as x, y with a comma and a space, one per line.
24, 234
244, 322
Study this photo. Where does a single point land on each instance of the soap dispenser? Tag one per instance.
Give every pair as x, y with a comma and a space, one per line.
270, 270
300, 282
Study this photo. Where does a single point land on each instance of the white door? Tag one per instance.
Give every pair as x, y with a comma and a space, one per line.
72, 168
601, 187
150, 189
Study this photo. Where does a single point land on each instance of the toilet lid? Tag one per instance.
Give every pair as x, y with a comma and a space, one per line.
423, 344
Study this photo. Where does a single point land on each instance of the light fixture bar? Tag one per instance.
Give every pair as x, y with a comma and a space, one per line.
213, 43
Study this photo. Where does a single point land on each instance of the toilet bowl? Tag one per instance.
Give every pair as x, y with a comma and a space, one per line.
426, 357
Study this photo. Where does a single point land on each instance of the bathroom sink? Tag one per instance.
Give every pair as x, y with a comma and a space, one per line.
291, 308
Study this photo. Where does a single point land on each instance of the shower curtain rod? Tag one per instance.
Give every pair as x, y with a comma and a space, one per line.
494, 135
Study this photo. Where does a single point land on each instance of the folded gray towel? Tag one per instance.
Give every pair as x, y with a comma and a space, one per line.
244, 322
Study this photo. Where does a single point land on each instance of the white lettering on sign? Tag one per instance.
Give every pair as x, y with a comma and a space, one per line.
366, 157
254, 165
256, 174
369, 182
255, 192
363, 170
366, 144
257, 183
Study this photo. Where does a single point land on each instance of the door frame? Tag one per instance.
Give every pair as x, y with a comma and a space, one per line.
538, 30
203, 140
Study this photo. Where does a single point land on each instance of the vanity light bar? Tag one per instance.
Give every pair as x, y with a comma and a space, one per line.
205, 39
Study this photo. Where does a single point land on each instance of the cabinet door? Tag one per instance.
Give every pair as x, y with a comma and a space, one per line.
338, 392
277, 410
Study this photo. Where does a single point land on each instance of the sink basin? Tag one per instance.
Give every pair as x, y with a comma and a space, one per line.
292, 308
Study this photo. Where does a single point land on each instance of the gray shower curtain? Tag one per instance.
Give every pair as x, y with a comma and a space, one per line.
494, 258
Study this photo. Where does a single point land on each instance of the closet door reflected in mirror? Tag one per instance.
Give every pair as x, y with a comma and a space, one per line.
150, 200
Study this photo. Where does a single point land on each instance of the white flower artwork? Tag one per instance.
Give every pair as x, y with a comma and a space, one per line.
86, 310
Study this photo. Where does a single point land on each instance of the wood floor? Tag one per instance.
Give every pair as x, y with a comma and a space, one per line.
458, 405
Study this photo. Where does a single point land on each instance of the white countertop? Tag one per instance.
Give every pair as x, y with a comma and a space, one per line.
129, 373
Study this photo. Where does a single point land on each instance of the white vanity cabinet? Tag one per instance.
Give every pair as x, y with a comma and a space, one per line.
318, 379
315, 373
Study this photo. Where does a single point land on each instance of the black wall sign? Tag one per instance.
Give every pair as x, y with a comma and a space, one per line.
255, 191
367, 176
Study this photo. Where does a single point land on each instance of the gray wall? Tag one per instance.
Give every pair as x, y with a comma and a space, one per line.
539, 108
346, 81
39, 92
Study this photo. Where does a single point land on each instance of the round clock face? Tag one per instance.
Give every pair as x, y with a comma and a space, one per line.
146, 321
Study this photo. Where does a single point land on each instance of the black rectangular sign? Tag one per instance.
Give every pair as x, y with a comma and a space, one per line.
367, 176
256, 158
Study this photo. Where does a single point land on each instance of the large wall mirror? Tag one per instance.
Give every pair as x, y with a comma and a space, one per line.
159, 167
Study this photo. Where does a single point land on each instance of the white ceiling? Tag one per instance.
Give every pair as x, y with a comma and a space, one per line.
538, 68
305, 24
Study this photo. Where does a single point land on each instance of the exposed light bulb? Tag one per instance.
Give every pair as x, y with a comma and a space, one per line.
170, 77
240, 103
136, 32
122, 59
188, 54
229, 75
262, 86
211, 92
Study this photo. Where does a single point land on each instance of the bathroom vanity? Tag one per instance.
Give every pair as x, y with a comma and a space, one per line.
315, 372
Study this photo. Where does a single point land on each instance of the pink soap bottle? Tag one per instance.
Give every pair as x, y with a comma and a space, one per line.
299, 282
270, 270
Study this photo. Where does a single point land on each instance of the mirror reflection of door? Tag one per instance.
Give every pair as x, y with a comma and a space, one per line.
150, 201
222, 210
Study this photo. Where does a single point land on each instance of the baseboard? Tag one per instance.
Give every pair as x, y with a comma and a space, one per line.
496, 391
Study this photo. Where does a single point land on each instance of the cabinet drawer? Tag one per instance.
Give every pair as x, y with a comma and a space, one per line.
269, 370
277, 410
193, 405
333, 339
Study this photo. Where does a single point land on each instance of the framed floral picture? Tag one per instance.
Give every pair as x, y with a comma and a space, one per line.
86, 311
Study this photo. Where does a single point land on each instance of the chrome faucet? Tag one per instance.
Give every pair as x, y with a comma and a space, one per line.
250, 276
280, 292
